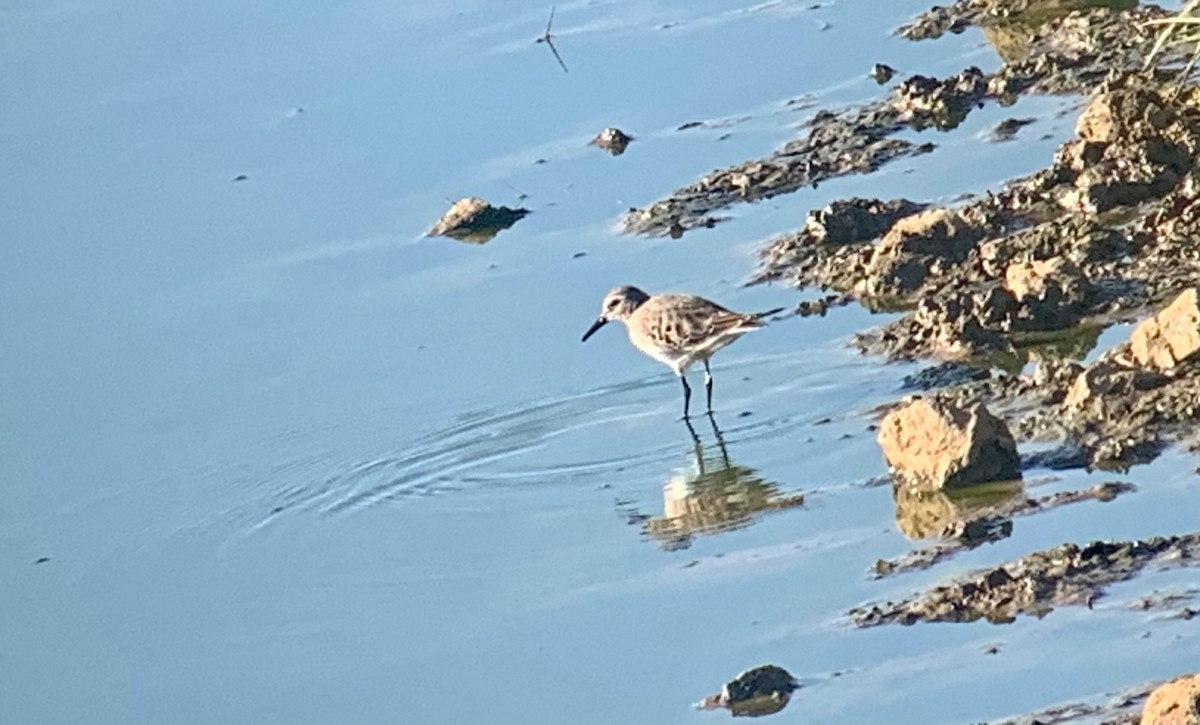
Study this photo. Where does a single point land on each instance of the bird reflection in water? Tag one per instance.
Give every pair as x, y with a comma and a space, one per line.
718, 495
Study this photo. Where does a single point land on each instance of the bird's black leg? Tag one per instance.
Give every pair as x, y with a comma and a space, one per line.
708, 384
687, 395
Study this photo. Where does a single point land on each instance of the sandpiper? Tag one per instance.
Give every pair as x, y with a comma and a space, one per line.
676, 330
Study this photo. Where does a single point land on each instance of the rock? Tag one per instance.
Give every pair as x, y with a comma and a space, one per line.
1007, 129
761, 690
1116, 114
1035, 584
943, 375
956, 324
1100, 379
1029, 278
856, 219
1100, 121
882, 73
1061, 458
1050, 293
1073, 54
913, 245
1098, 189
612, 140
474, 220
933, 445
1174, 703
924, 101
830, 250
1170, 337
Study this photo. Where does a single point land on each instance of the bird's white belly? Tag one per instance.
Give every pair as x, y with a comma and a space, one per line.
680, 359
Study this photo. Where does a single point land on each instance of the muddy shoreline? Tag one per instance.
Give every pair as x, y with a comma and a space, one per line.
1005, 294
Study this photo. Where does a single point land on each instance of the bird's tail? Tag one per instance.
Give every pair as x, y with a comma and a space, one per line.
755, 320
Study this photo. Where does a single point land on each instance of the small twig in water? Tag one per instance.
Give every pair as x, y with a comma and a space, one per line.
521, 196
548, 39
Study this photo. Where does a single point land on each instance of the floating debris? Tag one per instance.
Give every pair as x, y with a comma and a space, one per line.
474, 220
548, 39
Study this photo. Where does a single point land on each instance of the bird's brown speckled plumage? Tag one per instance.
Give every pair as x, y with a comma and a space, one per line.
677, 330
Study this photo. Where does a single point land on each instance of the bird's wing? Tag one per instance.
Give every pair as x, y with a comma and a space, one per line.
684, 321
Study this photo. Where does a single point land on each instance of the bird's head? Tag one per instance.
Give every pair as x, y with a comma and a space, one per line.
618, 304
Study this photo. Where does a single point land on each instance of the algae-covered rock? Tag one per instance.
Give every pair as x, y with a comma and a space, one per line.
761, 690
474, 220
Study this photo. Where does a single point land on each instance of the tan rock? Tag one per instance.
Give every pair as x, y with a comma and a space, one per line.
1119, 115
932, 445
1096, 381
1174, 703
1171, 336
915, 244
933, 223
1028, 278
474, 220
612, 140
1078, 155
1099, 121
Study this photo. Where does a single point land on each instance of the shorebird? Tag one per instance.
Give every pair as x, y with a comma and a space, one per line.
676, 330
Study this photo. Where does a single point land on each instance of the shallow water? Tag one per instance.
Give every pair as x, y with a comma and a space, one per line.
291, 461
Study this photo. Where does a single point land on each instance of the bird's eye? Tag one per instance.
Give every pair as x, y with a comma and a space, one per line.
612, 304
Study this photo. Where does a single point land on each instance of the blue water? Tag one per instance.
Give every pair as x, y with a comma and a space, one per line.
289, 460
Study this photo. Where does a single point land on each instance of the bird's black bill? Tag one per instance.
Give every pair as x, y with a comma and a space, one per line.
595, 326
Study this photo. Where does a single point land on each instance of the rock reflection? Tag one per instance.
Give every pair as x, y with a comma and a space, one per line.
935, 514
1012, 35
717, 495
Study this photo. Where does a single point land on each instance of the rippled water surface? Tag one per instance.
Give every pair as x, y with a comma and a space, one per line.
281, 458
